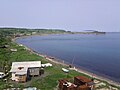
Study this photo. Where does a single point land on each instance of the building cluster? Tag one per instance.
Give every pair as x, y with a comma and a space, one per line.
80, 83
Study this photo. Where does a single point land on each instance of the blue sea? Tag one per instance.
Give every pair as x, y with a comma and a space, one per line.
99, 54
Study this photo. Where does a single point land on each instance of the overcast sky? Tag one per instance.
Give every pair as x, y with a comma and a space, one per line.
74, 15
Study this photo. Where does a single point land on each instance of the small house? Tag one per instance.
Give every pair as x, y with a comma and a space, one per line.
21, 71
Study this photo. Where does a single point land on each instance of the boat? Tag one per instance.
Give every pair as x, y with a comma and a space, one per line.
65, 70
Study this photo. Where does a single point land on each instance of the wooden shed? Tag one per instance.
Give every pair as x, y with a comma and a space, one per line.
81, 80
84, 83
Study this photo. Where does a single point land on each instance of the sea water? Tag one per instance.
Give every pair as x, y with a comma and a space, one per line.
99, 54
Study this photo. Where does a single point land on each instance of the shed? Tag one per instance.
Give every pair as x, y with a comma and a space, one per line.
81, 81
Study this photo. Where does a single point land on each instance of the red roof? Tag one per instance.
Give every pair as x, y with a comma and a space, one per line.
83, 79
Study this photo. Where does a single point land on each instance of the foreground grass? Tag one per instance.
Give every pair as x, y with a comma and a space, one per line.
54, 74
47, 81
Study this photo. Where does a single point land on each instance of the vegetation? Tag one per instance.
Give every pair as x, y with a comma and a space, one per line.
24, 31
47, 81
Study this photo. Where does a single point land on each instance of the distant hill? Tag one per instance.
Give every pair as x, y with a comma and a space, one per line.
27, 32
24, 31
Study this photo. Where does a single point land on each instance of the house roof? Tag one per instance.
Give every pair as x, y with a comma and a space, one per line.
83, 79
28, 64
22, 67
19, 70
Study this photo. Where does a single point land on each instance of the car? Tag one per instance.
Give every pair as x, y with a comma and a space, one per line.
2, 75
47, 65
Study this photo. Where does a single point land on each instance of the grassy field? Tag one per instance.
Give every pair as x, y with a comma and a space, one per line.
47, 81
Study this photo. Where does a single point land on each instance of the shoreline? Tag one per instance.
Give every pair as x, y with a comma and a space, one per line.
57, 61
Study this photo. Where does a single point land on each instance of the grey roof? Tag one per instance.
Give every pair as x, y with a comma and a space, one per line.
21, 68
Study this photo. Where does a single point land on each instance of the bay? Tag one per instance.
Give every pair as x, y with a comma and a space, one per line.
99, 54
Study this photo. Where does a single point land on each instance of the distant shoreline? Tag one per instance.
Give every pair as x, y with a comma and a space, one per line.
57, 61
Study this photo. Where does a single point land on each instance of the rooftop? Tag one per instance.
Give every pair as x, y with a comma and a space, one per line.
83, 79
21, 68
28, 64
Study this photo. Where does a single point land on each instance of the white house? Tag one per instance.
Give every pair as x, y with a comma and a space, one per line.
22, 70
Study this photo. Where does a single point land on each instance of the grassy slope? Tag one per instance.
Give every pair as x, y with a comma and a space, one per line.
48, 80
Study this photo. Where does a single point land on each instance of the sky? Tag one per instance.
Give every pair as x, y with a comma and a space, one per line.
71, 15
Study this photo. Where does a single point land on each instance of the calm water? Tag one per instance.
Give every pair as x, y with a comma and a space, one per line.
99, 54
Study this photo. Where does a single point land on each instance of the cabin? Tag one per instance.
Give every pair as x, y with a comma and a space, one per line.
21, 71
84, 83
81, 80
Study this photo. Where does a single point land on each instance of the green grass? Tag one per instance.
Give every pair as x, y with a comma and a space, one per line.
51, 80
47, 82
